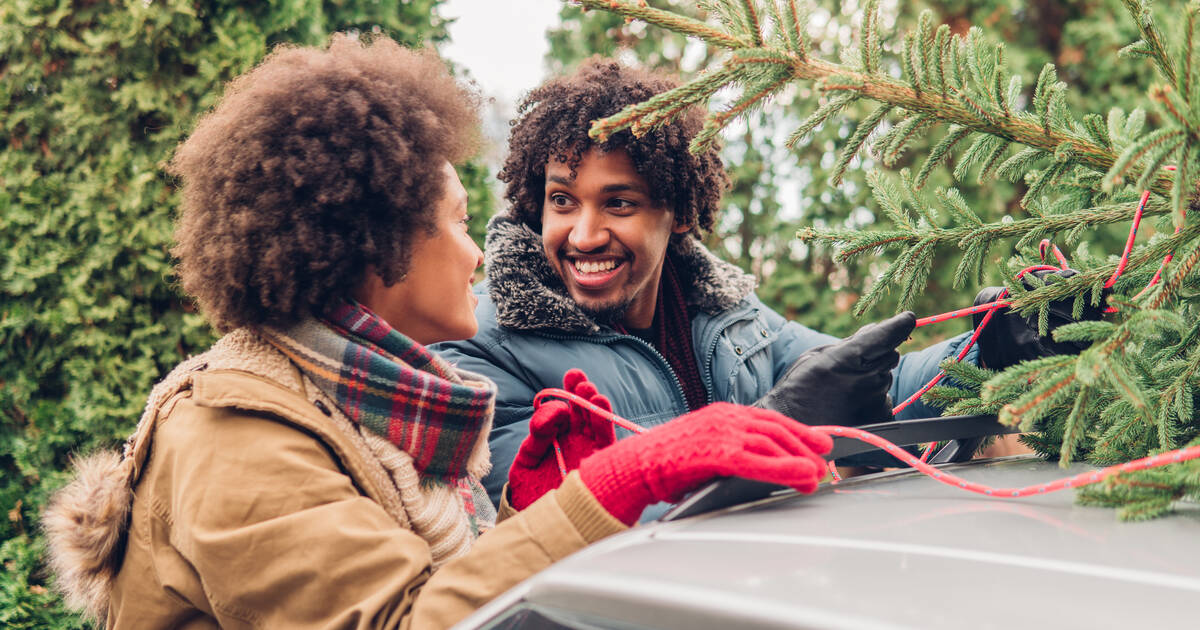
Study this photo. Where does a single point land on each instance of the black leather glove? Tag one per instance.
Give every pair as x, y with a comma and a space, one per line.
1010, 338
844, 383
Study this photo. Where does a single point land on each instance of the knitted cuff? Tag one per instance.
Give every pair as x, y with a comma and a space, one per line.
615, 485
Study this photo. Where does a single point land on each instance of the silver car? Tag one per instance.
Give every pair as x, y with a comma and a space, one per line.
888, 550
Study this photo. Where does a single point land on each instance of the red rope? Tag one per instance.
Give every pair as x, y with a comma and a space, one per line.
1137, 220
1062, 260
1082, 479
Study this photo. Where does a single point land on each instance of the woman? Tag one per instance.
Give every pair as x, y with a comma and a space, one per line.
318, 467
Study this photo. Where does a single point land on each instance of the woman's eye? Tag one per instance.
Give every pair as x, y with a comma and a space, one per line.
465, 221
621, 203
559, 200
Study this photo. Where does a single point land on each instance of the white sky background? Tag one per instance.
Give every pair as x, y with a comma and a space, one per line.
502, 44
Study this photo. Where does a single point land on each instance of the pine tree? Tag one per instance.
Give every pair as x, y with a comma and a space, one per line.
1130, 394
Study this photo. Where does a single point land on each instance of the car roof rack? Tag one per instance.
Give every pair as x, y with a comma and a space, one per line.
964, 432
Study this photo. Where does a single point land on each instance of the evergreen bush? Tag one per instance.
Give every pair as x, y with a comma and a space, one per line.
95, 96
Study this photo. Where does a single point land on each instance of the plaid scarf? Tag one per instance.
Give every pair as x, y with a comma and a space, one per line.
673, 337
392, 385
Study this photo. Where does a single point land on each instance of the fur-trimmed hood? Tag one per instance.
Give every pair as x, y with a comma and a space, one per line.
529, 295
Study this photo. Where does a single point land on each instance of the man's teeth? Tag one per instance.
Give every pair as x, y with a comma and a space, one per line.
595, 267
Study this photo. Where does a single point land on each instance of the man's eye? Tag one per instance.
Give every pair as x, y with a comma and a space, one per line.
559, 200
621, 203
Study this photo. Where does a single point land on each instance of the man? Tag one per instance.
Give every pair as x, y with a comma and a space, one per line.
597, 266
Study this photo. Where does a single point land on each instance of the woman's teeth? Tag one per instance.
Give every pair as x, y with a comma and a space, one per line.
594, 267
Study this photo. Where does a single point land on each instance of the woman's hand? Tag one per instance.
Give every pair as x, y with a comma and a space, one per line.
579, 432
720, 440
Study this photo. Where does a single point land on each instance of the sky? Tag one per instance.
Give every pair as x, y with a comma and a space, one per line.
501, 42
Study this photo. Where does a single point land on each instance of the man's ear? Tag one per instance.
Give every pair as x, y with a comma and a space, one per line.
681, 228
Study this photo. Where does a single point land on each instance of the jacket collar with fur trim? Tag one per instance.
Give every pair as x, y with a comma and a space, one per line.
529, 295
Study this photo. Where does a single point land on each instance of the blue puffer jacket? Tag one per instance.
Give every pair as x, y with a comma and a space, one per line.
531, 333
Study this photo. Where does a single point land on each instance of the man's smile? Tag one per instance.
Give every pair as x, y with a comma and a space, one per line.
594, 273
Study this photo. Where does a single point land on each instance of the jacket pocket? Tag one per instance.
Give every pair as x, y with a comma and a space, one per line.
743, 363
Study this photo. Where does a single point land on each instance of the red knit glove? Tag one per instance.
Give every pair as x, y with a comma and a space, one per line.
720, 440
579, 431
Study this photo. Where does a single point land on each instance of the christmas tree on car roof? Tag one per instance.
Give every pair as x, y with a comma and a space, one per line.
1132, 393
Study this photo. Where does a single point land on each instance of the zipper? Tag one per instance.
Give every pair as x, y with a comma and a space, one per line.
680, 397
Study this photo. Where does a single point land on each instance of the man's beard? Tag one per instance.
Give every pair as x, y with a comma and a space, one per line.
608, 314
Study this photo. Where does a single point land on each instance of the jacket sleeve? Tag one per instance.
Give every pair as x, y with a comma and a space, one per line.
514, 402
280, 537
918, 367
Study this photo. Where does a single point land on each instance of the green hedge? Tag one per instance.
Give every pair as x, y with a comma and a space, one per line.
95, 95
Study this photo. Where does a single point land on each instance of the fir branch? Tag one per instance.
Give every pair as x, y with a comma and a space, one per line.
671, 21
926, 52
1115, 371
883, 189
869, 48
1151, 37
958, 107
856, 141
999, 96
1135, 151
942, 43
953, 201
904, 133
751, 20
663, 107
1097, 130
908, 63
940, 152
1073, 429
1172, 104
914, 260
983, 147
1041, 95
1177, 275
1019, 163
835, 104
1181, 191
751, 98
797, 27
990, 161
1043, 180
1155, 158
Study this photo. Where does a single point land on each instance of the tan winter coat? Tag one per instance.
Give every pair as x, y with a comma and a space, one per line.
248, 501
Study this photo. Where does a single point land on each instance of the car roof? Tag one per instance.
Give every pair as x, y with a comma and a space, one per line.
891, 550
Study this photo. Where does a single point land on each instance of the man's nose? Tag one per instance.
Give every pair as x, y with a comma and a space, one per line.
590, 232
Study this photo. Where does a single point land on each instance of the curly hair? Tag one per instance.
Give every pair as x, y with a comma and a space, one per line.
553, 122
315, 165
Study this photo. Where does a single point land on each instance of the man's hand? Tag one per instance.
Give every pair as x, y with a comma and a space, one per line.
1010, 339
844, 383
579, 432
